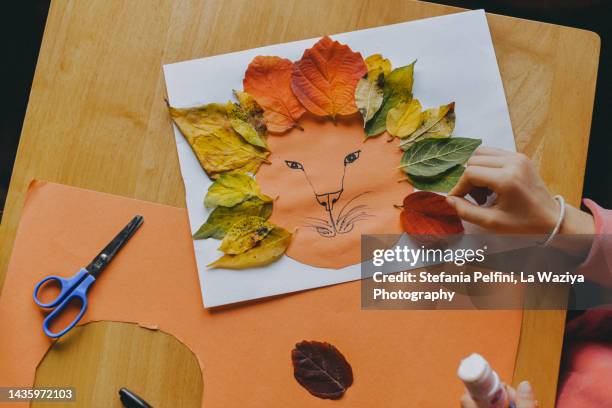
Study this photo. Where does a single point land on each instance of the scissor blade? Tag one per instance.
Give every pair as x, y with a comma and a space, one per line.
100, 262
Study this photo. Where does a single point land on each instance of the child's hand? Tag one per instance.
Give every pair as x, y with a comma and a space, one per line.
523, 204
523, 397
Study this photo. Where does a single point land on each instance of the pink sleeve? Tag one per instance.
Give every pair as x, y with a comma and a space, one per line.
596, 267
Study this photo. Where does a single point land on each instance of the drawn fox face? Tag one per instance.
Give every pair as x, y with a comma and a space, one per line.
333, 187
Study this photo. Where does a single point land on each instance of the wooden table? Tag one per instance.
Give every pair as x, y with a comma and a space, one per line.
96, 119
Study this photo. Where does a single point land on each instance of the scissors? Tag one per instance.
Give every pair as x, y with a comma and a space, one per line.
77, 286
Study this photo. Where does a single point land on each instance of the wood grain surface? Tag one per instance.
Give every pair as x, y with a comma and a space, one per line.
96, 119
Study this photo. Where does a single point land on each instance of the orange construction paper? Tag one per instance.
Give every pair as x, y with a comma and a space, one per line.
399, 358
365, 190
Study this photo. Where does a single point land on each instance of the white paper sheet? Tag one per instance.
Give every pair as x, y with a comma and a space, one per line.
456, 61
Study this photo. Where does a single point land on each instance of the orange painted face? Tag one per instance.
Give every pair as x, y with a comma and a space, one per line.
333, 187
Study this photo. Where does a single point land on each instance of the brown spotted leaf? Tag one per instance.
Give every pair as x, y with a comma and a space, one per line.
321, 369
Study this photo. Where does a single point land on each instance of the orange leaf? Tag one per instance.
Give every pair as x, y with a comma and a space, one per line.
268, 80
324, 80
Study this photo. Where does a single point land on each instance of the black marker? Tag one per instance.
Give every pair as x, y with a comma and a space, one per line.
131, 400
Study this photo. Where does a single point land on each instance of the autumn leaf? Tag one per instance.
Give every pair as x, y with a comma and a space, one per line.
377, 65
436, 122
324, 79
321, 369
268, 80
244, 234
231, 189
222, 218
216, 145
431, 157
442, 183
404, 119
265, 252
426, 213
368, 98
249, 126
397, 89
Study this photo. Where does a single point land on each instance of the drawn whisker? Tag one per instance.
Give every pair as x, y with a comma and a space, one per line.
357, 217
350, 201
352, 210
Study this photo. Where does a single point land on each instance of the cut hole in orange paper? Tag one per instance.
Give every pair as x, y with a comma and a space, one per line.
332, 187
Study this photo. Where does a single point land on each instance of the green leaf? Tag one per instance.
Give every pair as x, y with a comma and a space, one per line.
431, 157
244, 234
222, 218
368, 98
436, 122
397, 89
231, 189
265, 252
442, 183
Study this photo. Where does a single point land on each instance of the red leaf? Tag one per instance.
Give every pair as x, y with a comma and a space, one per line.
268, 80
321, 369
324, 80
427, 213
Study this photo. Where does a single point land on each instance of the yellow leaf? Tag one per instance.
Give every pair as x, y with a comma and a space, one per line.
231, 189
368, 98
265, 252
436, 122
377, 65
404, 119
216, 145
244, 234
247, 126
397, 89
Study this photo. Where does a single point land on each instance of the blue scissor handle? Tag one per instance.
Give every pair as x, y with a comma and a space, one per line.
66, 286
75, 287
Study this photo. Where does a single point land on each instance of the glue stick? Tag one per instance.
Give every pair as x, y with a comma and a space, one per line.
483, 383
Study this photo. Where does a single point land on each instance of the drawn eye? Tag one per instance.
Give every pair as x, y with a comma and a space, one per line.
294, 165
351, 157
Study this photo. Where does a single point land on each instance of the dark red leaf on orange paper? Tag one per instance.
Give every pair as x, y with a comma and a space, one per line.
426, 213
321, 369
268, 80
324, 80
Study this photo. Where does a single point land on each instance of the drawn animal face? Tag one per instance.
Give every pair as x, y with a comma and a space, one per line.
332, 187
341, 222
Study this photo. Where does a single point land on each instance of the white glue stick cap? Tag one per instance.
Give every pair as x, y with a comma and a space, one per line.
476, 374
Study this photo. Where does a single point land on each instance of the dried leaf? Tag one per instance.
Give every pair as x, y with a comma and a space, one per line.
251, 128
244, 234
368, 98
404, 119
426, 213
377, 65
436, 122
321, 369
265, 252
268, 80
231, 189
432, 157
222, 218
216, 145
442, 183
324, 79
397, 89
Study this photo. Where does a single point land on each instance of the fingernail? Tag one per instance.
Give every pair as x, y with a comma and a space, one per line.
524, 389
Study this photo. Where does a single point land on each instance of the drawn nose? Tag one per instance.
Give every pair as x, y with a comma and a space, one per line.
328, 200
